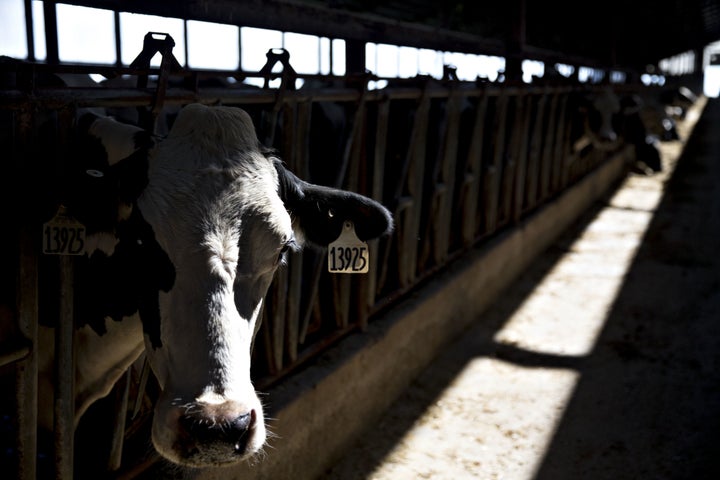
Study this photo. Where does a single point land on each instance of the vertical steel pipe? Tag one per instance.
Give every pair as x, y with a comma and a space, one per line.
64, 407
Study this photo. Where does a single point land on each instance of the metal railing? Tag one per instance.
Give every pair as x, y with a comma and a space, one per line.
456, 163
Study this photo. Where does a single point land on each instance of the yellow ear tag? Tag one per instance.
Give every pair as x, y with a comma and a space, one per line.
348, 254
63, 235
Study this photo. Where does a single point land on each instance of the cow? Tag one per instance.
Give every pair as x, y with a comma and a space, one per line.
184, 236
677, 100
610, 120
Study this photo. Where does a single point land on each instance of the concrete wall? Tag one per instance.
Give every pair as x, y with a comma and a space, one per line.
319, 412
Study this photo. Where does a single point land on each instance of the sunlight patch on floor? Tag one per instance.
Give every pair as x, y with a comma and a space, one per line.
506, 417
516, 406
555, 321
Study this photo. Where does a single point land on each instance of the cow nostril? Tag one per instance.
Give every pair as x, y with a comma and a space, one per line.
608, 136
241, 425
243, 422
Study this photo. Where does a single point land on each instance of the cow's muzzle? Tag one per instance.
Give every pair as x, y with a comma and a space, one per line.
199, 434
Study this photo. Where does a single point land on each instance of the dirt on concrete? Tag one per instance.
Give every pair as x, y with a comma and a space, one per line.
602, 362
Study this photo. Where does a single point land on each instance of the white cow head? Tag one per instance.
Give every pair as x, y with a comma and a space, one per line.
599, 113
204, 219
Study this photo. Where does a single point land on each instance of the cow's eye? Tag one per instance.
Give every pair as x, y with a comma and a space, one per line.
287, 246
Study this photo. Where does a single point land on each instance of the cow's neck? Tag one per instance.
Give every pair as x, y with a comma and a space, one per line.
100, 360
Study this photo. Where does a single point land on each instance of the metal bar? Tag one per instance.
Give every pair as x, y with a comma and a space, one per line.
494, 170
535, 150
357, 181
567, 152
142, 386
122, 395
26, 373
29, 30
548, 148
118, 39
522, 161
558, 156
277, 319
292, 318
379, 154
64, 408
51, 34
301, 165
27, 369
54, 98
13, 355
311, 295
412, 177
510, 166
470, 197
445, 185
347, 178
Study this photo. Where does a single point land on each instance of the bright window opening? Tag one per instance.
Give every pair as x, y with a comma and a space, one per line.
12, 13
213, 45
85, 34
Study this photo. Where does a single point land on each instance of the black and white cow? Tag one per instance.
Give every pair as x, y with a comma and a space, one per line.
184, 237
610, 120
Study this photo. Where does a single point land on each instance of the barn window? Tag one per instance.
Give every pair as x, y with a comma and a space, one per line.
532, 68
13, 14
681, 64
468, 66
617, 77
212, 45
338, 56
85, 34
430, 62
392, 61
590, 75
304, 52
564, 69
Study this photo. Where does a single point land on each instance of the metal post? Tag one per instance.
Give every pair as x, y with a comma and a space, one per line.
65, 375
27, 308
122, 394
27, 369
51, 34
29, 31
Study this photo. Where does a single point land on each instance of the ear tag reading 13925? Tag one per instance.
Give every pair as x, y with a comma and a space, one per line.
348, 254
63, 235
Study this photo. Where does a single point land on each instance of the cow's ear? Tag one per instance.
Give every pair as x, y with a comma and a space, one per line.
107, 170
320, 212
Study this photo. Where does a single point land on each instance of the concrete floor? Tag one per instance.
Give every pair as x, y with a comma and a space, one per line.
601, 362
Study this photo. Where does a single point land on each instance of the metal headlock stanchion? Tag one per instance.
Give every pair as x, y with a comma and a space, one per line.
153, 44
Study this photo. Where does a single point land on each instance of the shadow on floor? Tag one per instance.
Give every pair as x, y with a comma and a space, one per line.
647, 405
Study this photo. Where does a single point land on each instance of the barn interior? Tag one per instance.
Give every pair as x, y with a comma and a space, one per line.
463, 198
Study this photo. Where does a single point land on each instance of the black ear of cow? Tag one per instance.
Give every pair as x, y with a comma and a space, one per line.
322, 211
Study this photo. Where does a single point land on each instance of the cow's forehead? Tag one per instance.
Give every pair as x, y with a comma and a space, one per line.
210, 173
228, 127
607, 102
